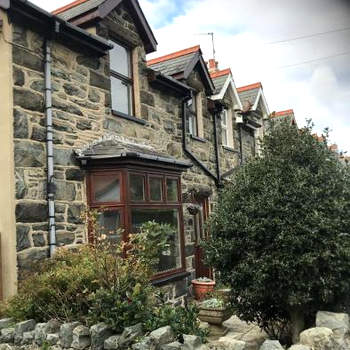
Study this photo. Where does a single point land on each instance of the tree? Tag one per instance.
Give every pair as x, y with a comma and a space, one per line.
280, 232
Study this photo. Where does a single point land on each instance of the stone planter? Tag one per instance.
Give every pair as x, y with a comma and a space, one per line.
202, 288
215, 316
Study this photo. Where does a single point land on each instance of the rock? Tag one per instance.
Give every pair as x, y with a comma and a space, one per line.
22, 327
99, 333
20, 124
5, 347
22, 237
112, 343
191, 342
99, 81
130, 334
74, 174
172, 346
38, 240
163, 335
65, 191
24, 58
6, 323
74, 213
81, 337
299, 347
318, 338
52, 338
147, 98
40, 333
27, 257
89, 62
337, 322
249, 333
63, 156
84, 125
52, 326
28, 100
28, 338
112, 125
31, 212
231, 343
29, 154
271, 345
146, 343
7, 335
66, 333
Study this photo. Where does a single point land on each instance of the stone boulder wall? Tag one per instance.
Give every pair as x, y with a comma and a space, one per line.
28, 335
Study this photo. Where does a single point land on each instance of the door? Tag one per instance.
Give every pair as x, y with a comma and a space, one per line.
201, 234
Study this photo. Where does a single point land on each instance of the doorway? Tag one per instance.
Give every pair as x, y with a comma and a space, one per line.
201, 234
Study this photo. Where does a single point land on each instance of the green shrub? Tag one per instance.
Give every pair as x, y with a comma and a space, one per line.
183, 320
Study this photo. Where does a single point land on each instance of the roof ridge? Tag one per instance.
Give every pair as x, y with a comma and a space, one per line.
176, 54
68, 6
220, 73
286, 112
250, 87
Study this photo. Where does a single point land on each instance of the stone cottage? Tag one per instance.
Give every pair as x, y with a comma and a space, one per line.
87, 122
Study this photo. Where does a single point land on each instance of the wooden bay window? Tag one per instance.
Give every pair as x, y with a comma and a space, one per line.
127, 197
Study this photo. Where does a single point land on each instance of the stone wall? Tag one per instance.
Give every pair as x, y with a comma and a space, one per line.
82, 114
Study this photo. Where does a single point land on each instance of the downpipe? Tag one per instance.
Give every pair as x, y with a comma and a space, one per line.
49, 150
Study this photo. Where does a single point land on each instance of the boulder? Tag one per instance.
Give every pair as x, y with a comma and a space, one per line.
130, 334
112, 343
271, 345
52, 338
318, 338
299, 347
28, 338
337, 322
163, 335
40, 333
172, 346
22, 327
231, 343
6, 323
147, 343
5, 347
66, 333
81, 338
53, 326
7, 335
99, 333
191, 342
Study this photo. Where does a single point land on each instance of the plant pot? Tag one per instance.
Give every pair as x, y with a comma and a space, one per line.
224, 293
202, 288
214, 316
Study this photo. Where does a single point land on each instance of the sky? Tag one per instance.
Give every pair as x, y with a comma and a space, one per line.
299, 50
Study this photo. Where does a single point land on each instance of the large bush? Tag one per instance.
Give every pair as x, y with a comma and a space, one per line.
280, 233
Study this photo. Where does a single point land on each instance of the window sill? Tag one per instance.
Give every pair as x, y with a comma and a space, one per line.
198, 138
129, 117
230, 149
172, 278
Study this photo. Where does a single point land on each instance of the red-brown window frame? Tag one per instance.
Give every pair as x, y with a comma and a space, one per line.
126, 204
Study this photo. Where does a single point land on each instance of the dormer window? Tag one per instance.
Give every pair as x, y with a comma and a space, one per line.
224, 127
121, 79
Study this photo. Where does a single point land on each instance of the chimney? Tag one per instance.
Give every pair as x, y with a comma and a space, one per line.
213, 66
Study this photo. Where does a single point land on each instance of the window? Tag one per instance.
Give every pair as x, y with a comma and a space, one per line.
121, 79
126, 198
191, 121
224, 127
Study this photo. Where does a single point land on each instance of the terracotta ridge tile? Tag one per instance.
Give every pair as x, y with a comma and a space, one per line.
173, 55
249, 87
68, 6
220, 73
286, 112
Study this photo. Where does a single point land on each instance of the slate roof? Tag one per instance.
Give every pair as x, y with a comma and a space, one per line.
249, 93
174, 63
122, 149
219, 78
76, 8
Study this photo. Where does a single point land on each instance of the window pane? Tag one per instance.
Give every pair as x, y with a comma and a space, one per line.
155, 185
120, 60
171, 190
224, 117
121, 96
224, 136
169, 259
137, 188
106, 188
108, 223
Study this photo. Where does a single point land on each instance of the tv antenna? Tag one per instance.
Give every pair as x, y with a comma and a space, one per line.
212, 41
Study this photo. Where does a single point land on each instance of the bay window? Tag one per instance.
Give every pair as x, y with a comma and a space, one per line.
121, 79
128, 197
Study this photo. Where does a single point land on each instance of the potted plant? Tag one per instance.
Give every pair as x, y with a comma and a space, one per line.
214, 311
202, 286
